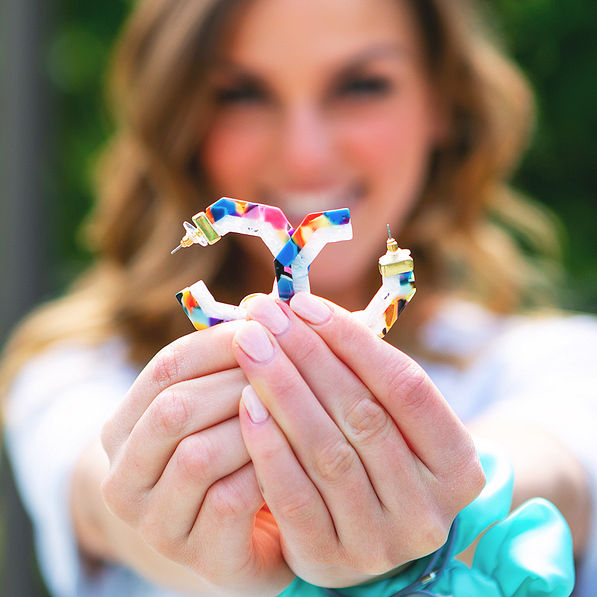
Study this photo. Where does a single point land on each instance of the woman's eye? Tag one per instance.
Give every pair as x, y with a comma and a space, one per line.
242, 94
362, 87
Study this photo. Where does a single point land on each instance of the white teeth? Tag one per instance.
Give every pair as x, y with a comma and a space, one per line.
305, 203
310, 200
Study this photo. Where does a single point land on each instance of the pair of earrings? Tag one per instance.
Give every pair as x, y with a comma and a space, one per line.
294, 250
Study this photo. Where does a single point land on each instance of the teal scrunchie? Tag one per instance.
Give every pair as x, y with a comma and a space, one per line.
527, 553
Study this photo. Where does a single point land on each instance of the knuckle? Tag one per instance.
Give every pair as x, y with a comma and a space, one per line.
108, 437
367, 420
431, 535
297, 509
169, 413
350, 329
166, 366
466, 481
194, 457
126, 509
376, 555
110, 494
368, 560
285, 383
478, 480
411, 386
228, 501
154, 531
269, 453
307, 350
379, 551
379, 564
335, 460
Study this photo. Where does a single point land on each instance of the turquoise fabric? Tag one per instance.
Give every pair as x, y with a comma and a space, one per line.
527, 553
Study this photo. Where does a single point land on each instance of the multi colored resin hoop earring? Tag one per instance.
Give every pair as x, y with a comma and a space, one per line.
294, 250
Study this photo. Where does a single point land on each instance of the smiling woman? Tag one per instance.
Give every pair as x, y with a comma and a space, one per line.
341, 114
296, 443
167, 55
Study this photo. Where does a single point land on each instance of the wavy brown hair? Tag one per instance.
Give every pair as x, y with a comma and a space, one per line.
463, 231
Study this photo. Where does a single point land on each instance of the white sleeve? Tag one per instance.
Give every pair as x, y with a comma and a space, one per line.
548, 376
56, 407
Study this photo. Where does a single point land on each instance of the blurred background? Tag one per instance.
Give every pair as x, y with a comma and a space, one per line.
53, 122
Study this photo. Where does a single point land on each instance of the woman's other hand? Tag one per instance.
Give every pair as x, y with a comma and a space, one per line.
180, 474
359, 458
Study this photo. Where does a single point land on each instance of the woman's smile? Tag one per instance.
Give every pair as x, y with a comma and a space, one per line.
297, 204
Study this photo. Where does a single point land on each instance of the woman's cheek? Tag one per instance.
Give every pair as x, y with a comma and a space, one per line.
377, 142
232, 155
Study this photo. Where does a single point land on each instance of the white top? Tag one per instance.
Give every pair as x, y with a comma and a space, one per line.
543, 369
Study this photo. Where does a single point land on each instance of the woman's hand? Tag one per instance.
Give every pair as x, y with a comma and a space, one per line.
362, 462
180, 474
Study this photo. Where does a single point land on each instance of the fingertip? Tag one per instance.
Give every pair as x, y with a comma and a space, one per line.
250, 298
253, 340
310, 308
268, 311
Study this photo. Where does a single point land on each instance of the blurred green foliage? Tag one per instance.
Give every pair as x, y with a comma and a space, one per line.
77, 58
556, 45
552, 40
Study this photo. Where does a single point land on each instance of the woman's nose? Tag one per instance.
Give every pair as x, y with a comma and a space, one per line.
307, 147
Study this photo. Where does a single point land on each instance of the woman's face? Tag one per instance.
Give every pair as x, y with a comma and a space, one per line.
321, 105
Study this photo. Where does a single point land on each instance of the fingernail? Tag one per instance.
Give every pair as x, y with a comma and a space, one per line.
249, 298
255, 408
254, 341
310, 307
266, 311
